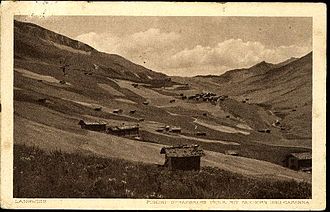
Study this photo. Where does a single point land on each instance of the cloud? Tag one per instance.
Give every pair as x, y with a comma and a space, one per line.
105, 42
163, 51
233, 53
142, 47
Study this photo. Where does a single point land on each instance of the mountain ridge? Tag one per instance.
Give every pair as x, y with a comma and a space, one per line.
35, 43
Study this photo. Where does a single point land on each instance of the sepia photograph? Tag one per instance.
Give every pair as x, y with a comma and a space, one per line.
158, 107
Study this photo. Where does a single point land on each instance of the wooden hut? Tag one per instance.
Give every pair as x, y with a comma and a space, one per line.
43, 100
201, 133
175, 130
130, 131
232, 152
117, 111
94, 126
298, 161
183, 157
132, 111
98, 108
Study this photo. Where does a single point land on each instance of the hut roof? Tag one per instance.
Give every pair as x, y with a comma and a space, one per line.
183, 151
92, 122
231, 152
303, 155
120, 128
175, 128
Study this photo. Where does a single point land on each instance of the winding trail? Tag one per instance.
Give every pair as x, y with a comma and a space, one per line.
221, 128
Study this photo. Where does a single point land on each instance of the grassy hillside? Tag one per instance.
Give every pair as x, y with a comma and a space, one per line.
284, 89
39, 174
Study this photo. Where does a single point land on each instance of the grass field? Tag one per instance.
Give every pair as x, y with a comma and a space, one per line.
55, 174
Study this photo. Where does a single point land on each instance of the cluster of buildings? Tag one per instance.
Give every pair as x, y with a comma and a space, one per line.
188, 157
124, 130
169, 129
207, 97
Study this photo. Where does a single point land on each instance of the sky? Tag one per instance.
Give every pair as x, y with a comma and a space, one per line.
188, 46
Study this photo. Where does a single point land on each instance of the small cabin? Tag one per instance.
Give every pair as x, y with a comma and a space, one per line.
98, 109
298, 161
132, 111
117, 111
182, 157
191, 97
201, 133
264, 130
130, 131
232, 152
94, 126
161, 129
43, 100
175, 130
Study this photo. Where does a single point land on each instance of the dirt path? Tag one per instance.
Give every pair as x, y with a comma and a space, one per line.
221, 128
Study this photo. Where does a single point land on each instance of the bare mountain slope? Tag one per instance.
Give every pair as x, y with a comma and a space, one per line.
284, 88
36, 44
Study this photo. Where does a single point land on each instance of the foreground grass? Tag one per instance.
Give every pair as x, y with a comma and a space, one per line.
56, 174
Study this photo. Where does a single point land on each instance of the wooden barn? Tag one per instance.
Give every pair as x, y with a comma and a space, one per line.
130, 131
232, 152
117, 111
183, 157
175, 130
299, 161
94, 126
201, 133
43, 100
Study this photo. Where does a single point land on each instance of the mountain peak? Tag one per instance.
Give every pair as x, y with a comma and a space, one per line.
37, 32
262, 64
